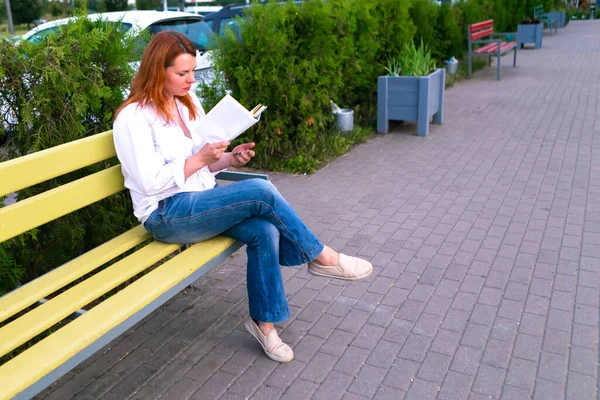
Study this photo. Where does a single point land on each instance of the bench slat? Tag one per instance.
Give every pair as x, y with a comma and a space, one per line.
58, 308
53, 351
28, 294
481, 25
37, 210
40, 166
482, 33
493, 48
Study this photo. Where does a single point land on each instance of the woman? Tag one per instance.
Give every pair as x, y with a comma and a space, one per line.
169, 170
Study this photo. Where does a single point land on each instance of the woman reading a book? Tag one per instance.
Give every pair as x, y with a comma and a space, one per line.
169, 170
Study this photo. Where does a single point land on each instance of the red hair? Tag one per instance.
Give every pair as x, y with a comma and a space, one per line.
149, 81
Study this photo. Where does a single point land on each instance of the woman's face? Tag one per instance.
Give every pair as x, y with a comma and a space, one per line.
180, 75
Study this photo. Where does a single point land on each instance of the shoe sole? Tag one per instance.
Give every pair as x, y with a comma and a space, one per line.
271, 356
340, 277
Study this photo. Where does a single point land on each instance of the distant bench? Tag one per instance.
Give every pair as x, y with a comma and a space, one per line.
492, 46
545, 18
26, 311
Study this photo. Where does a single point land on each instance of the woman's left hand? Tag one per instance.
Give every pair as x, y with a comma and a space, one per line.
242, 154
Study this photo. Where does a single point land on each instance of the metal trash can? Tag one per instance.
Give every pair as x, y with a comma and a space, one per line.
344, 120
452, 67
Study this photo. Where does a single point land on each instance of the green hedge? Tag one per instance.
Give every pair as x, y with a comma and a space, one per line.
60, 90
296, 58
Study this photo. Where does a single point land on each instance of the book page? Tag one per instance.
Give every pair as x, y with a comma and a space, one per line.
226, 121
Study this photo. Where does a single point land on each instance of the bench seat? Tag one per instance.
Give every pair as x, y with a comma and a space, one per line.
79, 307
483, 41
493, 48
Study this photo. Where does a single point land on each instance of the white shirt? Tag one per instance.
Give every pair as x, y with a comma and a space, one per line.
153, 154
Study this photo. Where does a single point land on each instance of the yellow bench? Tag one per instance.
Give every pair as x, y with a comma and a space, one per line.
37, 367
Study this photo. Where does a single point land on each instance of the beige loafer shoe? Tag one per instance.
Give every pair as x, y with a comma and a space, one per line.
348, 268
272, 345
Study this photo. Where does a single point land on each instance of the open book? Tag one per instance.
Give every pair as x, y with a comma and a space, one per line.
227, 120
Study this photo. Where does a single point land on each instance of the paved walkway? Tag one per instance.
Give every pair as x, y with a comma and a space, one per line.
485, 237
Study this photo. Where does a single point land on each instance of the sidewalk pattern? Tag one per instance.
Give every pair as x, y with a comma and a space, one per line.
485, 236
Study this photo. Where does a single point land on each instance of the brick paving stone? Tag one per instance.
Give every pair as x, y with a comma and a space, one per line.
384, 354
352, 360
128, 386
581, 386
300, 390
182, 389
402, 374
456, 386
389, 393
333, 387
284, 374
367, 381
99, 386
513, 393
434, 368
422, 390
547, 389
489, 380
148, 392
484, 237
319, 367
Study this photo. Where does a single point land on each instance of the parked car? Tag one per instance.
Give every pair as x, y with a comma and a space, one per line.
191, 25
227, 17
230, 16
202, 10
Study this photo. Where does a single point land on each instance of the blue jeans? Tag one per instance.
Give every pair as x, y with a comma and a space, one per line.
255, 213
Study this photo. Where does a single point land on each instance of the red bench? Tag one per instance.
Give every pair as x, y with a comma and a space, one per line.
492, 46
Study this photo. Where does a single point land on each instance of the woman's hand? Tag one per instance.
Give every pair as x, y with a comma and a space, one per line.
212, 152
209, 154
242, 154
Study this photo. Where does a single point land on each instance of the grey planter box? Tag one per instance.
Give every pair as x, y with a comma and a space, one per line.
530, 34
559, 16
411, 98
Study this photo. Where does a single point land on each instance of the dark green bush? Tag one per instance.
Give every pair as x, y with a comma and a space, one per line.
424, 14
295, 59
449, 35
60, 90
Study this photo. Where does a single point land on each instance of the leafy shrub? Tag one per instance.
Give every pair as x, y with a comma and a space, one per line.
57, 91
424, 14
449, 36
297, 58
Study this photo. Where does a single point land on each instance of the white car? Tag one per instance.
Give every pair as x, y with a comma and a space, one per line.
191, 25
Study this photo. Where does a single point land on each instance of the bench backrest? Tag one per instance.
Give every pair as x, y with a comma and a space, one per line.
481, 30
538, 11
26, 171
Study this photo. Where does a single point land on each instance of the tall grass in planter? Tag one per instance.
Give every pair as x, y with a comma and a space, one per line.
416, 95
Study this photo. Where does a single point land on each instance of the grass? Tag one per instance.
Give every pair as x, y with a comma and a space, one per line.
19, 30
462, 72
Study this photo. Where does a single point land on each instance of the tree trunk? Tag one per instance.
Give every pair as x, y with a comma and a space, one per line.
11, 28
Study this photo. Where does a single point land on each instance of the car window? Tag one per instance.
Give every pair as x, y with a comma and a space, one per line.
196, 30
212, 23
124, 26
230, 23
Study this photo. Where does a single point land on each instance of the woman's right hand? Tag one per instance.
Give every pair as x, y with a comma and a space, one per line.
212, 152
208, 154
